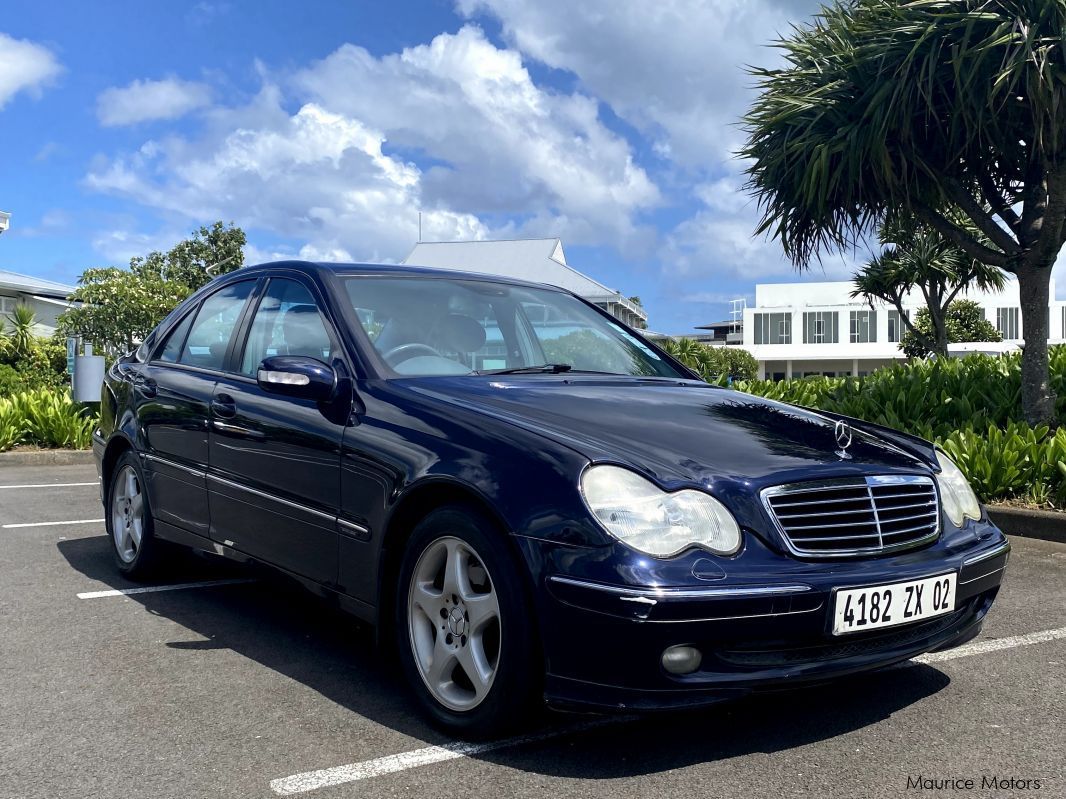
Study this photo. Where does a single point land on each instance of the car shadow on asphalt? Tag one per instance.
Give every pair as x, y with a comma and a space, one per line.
277, 624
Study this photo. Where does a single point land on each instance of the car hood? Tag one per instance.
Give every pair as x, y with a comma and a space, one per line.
675, 431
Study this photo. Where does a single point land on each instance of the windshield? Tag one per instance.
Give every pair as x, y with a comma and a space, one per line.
442, 326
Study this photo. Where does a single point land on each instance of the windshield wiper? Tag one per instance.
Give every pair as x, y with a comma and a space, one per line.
544, 368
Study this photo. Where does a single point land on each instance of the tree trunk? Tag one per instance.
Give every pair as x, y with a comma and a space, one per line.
938, 318
1038, 403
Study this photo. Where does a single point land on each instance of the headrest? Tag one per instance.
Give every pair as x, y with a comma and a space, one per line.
461, 333
304, 334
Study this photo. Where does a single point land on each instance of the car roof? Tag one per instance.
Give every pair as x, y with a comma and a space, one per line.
383, 270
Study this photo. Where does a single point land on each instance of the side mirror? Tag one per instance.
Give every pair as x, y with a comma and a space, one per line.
297, 376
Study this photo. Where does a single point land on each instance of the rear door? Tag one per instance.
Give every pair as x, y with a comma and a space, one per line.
173, 394
274, 481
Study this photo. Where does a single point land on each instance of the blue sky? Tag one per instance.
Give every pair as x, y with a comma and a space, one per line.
323, 128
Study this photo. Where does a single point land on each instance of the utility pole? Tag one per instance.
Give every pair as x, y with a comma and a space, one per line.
5, 221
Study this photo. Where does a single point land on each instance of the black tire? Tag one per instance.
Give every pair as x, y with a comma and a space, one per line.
512, 698
145, 558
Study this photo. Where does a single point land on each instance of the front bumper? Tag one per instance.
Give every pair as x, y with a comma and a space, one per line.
756, 627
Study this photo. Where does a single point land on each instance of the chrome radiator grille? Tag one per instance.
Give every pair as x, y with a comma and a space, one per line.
855, 517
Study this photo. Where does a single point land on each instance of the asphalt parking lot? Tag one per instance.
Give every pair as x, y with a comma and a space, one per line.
243, 686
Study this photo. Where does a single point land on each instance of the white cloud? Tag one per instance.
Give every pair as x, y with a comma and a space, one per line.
26, 66
718, 241
340, 173
117, 246
504, 145
673, 68
315, 176
145, 100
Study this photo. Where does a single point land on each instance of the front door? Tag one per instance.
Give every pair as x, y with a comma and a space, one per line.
274, 481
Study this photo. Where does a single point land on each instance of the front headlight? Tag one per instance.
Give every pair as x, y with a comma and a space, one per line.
959, 500
646, 518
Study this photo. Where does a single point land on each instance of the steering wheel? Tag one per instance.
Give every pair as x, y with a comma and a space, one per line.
409, 351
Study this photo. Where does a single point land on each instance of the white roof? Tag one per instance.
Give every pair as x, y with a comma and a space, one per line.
33, 285
535, 260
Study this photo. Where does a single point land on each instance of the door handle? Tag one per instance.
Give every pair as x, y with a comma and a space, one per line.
224, 406
145, 386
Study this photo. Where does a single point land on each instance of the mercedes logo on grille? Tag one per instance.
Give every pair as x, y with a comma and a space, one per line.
842, 433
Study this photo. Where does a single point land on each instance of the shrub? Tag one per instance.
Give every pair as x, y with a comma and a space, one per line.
11, 428
10, 380
714, 364
36, 363
964, 321
45, 418
970, 406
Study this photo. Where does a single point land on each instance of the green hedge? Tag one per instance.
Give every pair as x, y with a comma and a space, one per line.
970, 406
45, 418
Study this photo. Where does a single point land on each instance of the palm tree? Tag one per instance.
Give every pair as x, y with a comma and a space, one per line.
915, 255
20, 339
923, 105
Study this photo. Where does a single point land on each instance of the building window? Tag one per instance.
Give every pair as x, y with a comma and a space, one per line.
895, 327
863, 327
820, 327
7, 304
773, 328
1007, 323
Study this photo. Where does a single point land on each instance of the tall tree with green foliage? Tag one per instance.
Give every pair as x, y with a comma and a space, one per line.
923, 105
963, 320
915, 256
121, 306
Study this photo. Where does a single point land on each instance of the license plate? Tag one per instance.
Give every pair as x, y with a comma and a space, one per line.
857, 609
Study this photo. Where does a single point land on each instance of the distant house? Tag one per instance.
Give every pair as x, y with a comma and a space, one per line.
730, 331
47, 298
536, 260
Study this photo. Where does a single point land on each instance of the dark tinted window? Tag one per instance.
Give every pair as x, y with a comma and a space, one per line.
287, 322
211, 332
172, 349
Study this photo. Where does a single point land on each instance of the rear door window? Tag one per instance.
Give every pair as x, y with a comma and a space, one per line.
210, 335
175, 340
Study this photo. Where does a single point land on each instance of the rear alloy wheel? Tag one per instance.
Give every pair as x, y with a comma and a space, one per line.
464, 637
129, 523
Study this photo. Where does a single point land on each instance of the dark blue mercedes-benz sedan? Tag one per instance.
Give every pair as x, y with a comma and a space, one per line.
529, 499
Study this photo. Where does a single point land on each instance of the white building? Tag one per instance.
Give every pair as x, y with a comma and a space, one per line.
536, 260
46, 298
803, 329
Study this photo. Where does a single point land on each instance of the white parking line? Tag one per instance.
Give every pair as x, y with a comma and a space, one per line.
313, 780
52, 524
52, 485
151, 589
390, 764
992, 645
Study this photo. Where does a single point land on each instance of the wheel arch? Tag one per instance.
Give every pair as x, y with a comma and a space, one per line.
117, 445
414, 505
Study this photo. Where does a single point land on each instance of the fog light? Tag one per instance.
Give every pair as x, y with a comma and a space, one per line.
681, 659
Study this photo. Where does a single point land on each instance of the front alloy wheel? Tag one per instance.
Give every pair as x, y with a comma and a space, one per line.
463, 622
454, 624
